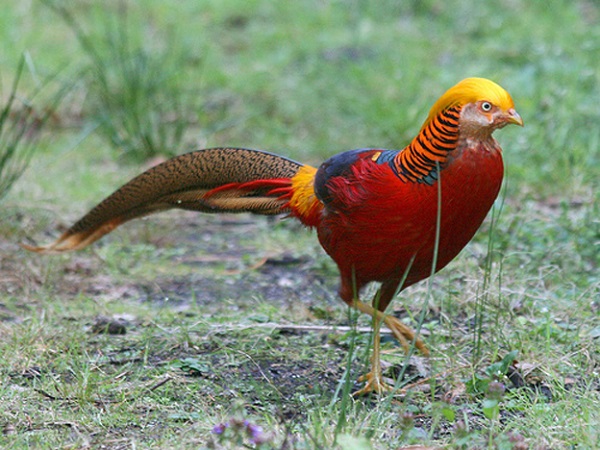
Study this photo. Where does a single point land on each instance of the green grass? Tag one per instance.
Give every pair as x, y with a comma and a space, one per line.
211, 334
22, 117
134, 82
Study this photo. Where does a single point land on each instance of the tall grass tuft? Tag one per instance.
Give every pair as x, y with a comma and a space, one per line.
135, 92
20, 126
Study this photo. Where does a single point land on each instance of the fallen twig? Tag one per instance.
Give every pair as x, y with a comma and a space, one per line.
49, 396
162, 382
301, 328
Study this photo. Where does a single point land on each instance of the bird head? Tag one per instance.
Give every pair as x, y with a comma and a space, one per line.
484, 105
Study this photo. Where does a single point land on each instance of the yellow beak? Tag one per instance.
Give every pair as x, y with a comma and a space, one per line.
512, 116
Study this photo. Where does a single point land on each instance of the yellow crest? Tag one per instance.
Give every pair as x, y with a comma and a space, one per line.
471, 90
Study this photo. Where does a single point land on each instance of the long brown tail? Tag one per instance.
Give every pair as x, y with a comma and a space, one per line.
211, 180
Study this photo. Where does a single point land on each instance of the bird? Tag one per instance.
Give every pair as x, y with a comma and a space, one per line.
390, 217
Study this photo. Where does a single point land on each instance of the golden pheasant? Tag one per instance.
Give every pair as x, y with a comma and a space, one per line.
388, 216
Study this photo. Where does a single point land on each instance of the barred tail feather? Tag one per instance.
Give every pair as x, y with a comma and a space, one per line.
212, 180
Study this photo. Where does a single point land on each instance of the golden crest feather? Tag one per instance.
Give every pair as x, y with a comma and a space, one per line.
471, 90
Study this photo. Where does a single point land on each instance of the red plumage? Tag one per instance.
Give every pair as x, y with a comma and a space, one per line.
377, 222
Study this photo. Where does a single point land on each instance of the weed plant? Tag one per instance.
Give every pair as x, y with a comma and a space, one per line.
137, 82
22, 118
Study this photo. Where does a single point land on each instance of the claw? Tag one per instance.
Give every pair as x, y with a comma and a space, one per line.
404, 335
374, 383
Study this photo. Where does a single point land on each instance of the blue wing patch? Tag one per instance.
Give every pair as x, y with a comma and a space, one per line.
340, 165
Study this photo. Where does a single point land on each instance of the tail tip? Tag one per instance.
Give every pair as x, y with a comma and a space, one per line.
36, 249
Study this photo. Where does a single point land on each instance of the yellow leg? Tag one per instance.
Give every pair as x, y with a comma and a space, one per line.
400, 331
374, 379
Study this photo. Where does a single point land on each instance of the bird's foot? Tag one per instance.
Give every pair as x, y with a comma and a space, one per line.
405, 335
375, 383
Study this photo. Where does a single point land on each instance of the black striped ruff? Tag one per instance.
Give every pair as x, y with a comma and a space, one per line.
417, 162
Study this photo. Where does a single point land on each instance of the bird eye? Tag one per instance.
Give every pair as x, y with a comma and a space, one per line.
486, 106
